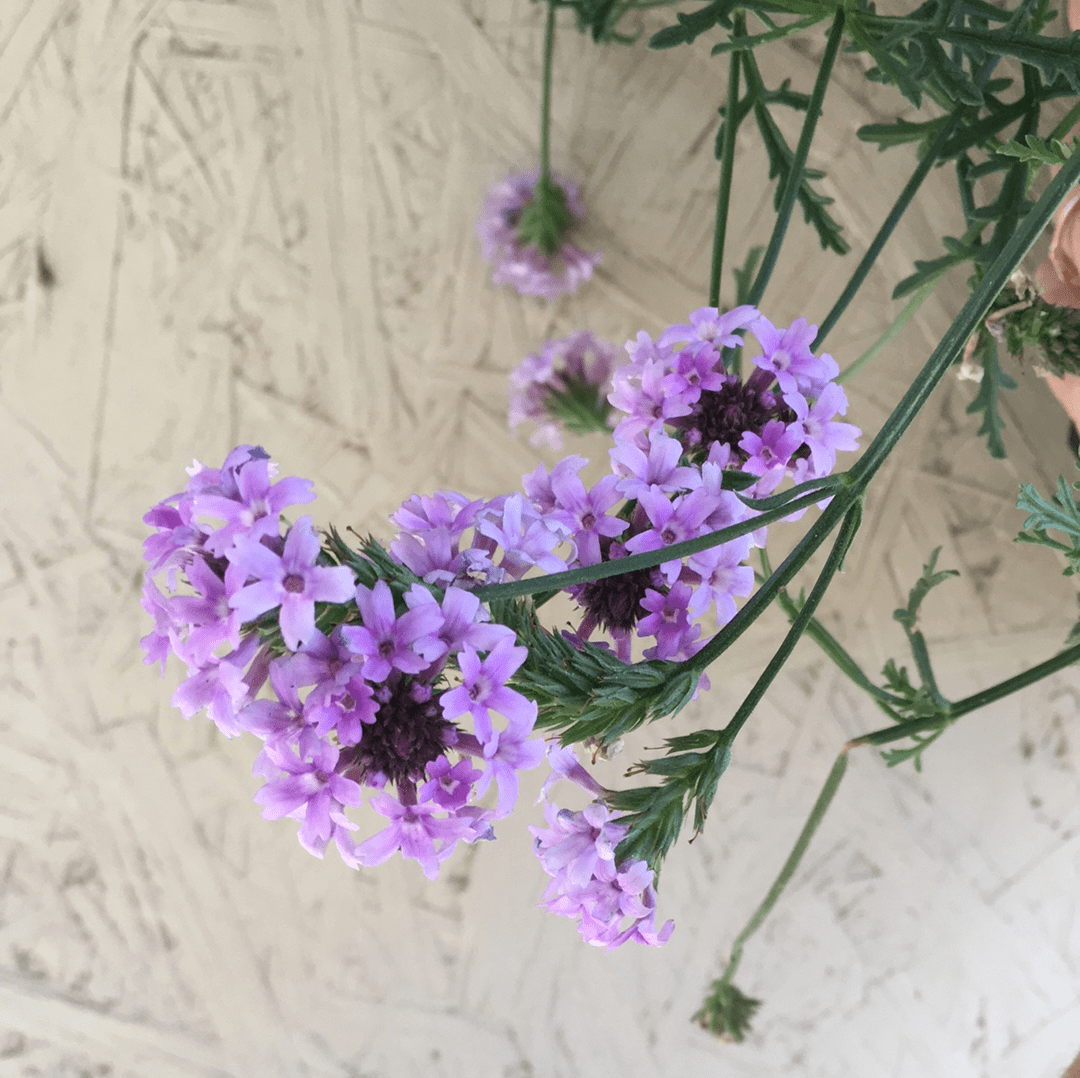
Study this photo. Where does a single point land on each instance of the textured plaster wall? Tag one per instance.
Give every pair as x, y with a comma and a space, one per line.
257, 223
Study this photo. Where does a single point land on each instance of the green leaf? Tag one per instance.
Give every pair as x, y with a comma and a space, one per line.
1037, 151
691, 25
1053, 57
744, 276
734, 480
777, 33
546, 219
894, 757
727, 1012
908, 616
926, 271
994, 380
1060, 515
781, 159
901, 132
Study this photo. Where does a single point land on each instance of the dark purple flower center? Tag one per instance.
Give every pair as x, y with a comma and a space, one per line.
588, 521
405, 737
387, 648
724, 415
614, 603
293, 583
668, 536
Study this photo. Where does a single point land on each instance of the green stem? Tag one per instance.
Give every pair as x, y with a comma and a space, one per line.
951, 344
1014, 684
941, 359
676, 551
833, 648
971, 703
1068, 122
802, 843
921, 655
798, 626
919, 297
727, 168
922, 170
798, 164
545, 95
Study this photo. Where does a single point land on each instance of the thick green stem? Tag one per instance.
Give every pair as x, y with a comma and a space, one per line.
545, 95
1068, 122
1015, 684
798, 164
727, 168
802, 843
941, 359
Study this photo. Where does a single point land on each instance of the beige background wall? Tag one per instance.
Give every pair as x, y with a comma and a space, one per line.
259, 223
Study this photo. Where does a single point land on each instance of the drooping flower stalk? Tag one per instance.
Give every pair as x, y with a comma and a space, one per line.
527, 224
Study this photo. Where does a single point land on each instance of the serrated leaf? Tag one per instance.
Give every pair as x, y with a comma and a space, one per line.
1038, 151
692, 24
908, 616
926, 271
1053, 57
751, 41
1061, 515
994, 380
781, 159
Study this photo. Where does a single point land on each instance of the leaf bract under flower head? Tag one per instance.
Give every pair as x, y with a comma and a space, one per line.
546, 218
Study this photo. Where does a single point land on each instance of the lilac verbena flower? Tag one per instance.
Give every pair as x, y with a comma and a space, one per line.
686, 422
526, 230
564, 385
202, 533
373, 691
612, 902
447, 539
290, 580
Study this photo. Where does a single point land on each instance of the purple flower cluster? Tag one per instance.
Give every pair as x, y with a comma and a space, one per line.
364, 688
565, 384
371, 686
613, 902
780, 422
520, 262
683, 423
449, 539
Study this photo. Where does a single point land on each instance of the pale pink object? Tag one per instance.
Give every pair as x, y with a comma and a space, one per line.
1059, 275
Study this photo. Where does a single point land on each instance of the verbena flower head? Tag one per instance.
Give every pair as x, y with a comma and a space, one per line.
564, 385
684, 424
526, 231
613, 902
372, 690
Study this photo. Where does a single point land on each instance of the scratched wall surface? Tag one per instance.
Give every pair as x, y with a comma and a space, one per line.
227, 222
